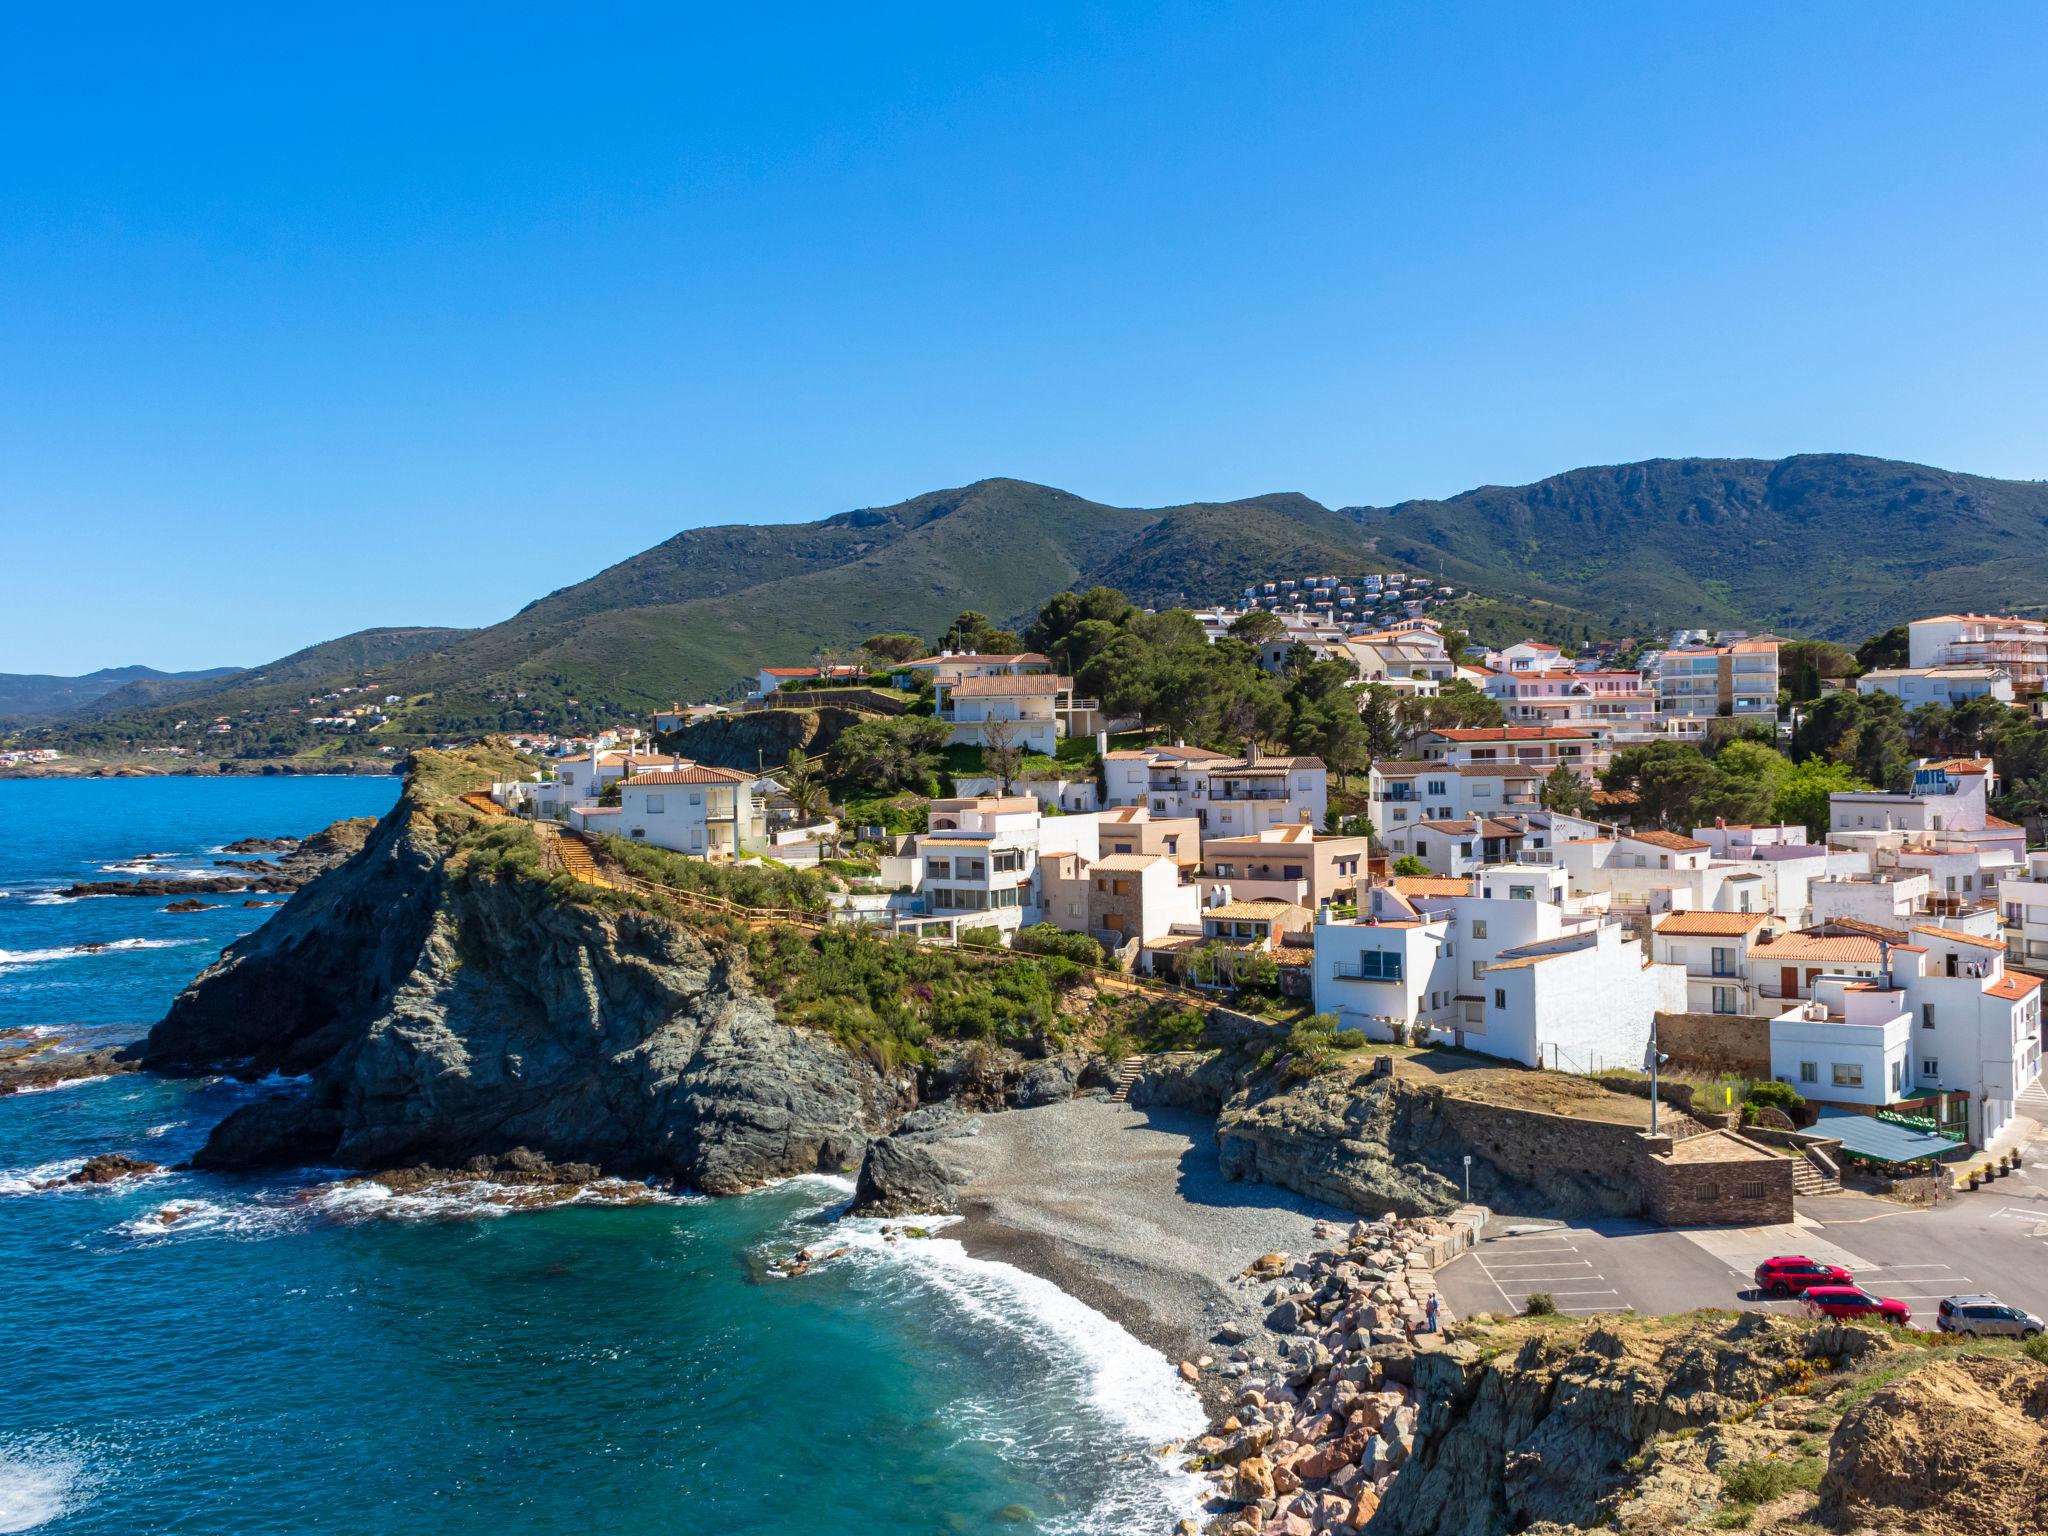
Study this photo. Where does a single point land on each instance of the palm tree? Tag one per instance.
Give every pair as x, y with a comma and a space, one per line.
807, 793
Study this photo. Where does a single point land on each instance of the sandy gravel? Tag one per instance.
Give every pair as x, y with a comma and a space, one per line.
1126, 1209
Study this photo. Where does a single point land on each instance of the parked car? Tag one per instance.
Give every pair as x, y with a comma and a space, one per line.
1985, 1317
1791, 1274
1853, 1301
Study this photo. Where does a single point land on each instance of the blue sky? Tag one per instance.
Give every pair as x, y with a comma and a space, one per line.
315, 320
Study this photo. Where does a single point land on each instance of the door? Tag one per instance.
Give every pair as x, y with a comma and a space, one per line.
1788, 981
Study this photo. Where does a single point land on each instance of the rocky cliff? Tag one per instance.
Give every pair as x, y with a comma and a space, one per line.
445, 1000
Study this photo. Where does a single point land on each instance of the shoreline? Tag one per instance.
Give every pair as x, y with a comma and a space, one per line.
1127, 1211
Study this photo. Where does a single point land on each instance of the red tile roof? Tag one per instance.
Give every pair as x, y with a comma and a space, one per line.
2013, 987
1711, 924
1670, 840
694, 775
1958, 938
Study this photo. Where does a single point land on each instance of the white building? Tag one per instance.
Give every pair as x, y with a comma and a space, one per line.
1914, 686
2017, 647
1712, 948
709, 812
1227, 796
979, 865
2023, 912
1035, 708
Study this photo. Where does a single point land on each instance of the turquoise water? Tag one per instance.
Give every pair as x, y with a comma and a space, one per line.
289, 1356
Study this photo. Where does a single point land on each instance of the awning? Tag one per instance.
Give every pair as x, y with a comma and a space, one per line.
1879, 1140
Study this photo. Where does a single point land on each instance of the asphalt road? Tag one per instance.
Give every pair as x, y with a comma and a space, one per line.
1995, 1240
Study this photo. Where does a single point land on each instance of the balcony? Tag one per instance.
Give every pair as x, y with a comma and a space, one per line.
1228, 791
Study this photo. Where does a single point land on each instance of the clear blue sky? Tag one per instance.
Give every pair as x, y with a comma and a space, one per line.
310, 322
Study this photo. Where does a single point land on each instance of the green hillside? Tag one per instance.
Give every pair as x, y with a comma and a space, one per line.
1822, 544
1830, 545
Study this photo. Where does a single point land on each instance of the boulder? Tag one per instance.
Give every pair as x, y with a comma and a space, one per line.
903, 1178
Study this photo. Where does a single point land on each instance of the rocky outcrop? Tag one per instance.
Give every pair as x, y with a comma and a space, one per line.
445, 1006
1959, 1445
28, 1062
902, 1174
305, 863
763, 735
107, 1168
1375, 1142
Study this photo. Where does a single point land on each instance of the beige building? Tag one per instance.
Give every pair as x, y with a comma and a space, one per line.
1294, 864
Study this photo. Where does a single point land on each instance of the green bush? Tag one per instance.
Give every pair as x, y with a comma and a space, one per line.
1761, 1481
982, 938
1045, 939
1777, 1095
766, 885
2036, 1349
1539, 1304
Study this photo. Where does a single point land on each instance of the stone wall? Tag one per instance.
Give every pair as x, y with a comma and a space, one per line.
1726, 1191
1582, 1164
1716, 1042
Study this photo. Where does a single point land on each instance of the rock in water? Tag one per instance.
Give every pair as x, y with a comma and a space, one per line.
107, 1168
902, 1177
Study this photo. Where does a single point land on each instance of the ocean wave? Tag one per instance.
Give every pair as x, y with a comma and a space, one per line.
1130, 1387
60, 1086
39, 1482
24, 1181
163, 1130
16, 959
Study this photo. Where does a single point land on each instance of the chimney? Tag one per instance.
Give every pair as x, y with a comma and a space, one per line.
1251, 752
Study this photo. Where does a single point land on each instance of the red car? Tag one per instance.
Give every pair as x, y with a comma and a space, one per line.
1852, 1301
1792, 1274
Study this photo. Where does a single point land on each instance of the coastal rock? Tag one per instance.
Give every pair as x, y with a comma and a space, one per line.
442, 1013
900, 1177
35, 1063
189, 905
324, 850
107, 1168
1051, 1081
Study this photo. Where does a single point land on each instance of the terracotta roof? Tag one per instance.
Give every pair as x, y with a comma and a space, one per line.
2013, 987
1958, 938
698, 774
1398, 765
1236, 766
1852, 949
1858, 925
1963, 765
789, 672
1255, 909
1494, 770
1711, 924
1432, 885
1128, 862
1671, 840
2000, 824
1027, 685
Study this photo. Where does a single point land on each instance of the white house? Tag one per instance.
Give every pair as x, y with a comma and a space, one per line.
1852, 1043
1227, 796
1712, 948
1914, 686
979, 865
1407, 791
1527, 746
1032, 706
709, 812
1581, 1003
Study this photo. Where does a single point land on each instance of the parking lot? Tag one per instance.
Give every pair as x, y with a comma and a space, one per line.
1995, 1240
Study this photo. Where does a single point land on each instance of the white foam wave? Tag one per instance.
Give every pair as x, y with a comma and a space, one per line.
163, 1130
24, 1181
469, 1199
15, 959
38, 1484
59, 1087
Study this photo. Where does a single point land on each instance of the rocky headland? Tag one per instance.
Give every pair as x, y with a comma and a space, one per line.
303, 863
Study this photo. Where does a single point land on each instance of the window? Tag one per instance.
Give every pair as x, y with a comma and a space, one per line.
1375, 965
1753, 1189
1521, 893
1478, 927
938, 869
1848, 1074
1500, 997
1226, 871
1725, 1000
1927, 1015
1898, 1076
1437, 787
1930, 1068
1290, 871
1478, 970
655, 804
1809, 1072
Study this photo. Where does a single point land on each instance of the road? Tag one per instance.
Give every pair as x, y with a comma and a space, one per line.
1995, 1240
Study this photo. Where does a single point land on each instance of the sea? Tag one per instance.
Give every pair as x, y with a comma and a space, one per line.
293, 1354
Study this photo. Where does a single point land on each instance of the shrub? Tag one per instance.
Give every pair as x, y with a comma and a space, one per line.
1759, 1482
1045, 939
2036, 1349
1064, 973
1310, 1042
1777, 1095
1408, 864
982, 938
1539, 1304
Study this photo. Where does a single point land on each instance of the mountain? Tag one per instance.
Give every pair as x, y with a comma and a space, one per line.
1829, 545
38, 696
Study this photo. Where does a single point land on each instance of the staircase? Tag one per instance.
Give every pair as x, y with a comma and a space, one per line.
2033, 1103
1126, 1073
1809, 1179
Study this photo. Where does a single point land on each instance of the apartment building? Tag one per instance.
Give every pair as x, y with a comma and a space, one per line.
2023, 912
1938, 1022
979, 866
1226, 796
1118, 897
2018, 647
1698, 683
1406, 791
1294, 864
1037, 709
1615, 705
1524, 746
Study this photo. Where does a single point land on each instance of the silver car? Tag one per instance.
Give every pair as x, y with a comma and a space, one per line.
1986, 1317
